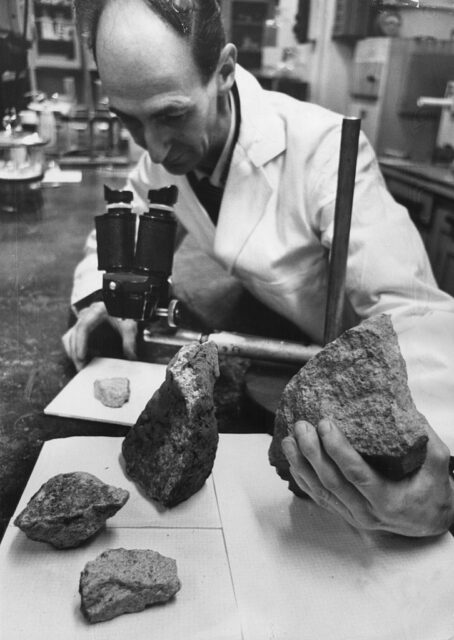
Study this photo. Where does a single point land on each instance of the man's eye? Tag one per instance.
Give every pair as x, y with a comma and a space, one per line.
172, 118
129, 122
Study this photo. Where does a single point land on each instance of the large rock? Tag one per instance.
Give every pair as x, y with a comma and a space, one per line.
360, 381
126, 580
171, 449
70, 508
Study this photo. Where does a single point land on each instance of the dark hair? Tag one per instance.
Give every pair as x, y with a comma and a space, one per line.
199, 21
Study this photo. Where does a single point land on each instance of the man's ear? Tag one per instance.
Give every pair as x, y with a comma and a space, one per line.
226, 68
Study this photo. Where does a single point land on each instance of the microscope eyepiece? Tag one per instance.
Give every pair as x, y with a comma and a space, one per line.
165, 196
115, 232
156, 236
137, 271
117, 197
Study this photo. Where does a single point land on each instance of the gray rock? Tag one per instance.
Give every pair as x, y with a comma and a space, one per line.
124, 581
69, 509
170, 451
360, 381
112, 392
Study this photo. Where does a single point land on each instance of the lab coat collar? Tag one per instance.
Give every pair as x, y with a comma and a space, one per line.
250, 182
262, 132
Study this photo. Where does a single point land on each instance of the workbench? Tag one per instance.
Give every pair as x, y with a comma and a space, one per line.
271, 542
37, 260
255, 562
427, 191
38, 254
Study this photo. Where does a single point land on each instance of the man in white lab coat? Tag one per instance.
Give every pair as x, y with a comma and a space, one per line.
176, 86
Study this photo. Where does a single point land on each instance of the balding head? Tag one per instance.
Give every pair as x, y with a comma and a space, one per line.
196, 21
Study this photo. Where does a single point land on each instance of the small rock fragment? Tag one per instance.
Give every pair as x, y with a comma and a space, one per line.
70, 508
360, 381
112, 392
171, 449
124, 581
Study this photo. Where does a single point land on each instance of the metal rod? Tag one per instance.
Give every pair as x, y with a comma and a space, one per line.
237, 344
342, 219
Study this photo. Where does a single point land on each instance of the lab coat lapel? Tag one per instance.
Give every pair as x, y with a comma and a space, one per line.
194, 217
250, 182
246, 195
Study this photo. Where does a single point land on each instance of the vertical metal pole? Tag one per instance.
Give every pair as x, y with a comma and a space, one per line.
342, 220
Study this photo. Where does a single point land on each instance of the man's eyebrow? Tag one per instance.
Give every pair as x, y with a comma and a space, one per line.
177, 106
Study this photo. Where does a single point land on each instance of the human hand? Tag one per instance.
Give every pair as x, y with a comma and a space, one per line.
335, 476
75, 341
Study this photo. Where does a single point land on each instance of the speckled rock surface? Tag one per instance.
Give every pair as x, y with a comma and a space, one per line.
69, 509
124, 581
112, 392
171, 449
360, 381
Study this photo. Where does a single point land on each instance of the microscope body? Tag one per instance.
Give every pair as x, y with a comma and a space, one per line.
137, 266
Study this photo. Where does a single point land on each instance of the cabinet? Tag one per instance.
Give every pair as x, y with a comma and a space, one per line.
431, 207
443, 246
55, 42
388, 77
351, 19
245, 23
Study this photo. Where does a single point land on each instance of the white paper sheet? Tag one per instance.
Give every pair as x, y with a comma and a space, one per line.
298, 573
77, 400
301, 573
39, 597
101, 456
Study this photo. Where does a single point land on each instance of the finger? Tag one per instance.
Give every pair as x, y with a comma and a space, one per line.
301, 471
347, 459
306, 478
337, 488
438, 454
128, 331
89, 318
68, 345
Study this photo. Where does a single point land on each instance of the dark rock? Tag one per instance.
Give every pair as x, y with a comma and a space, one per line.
229, 391
70, 508
171, 449
360, 382
124, 581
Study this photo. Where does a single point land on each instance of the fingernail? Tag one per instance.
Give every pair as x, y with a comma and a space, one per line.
302, 427
324, 427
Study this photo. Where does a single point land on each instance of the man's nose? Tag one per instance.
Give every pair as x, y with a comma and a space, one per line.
158, 143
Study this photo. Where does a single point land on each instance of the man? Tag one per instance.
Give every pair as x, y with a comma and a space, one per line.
176, 86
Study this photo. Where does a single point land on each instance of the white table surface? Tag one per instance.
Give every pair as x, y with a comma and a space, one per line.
256, 563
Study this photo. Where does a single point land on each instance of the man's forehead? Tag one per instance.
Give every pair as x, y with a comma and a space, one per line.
135, 49
132, 18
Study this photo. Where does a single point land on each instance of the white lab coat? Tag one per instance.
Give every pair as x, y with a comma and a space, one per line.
275, 229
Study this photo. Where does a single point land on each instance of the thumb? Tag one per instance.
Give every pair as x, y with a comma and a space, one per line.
128, 331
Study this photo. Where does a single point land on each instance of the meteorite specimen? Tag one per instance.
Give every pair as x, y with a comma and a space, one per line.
69, 509
112, 392
360, 382
124, 581
170, 451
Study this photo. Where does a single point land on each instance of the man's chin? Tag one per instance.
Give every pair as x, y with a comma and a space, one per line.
177, 168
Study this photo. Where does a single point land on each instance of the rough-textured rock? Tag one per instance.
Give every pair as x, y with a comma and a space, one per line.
360, 381
112, 392
70, 508
126, 580
229, 391
171, 449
